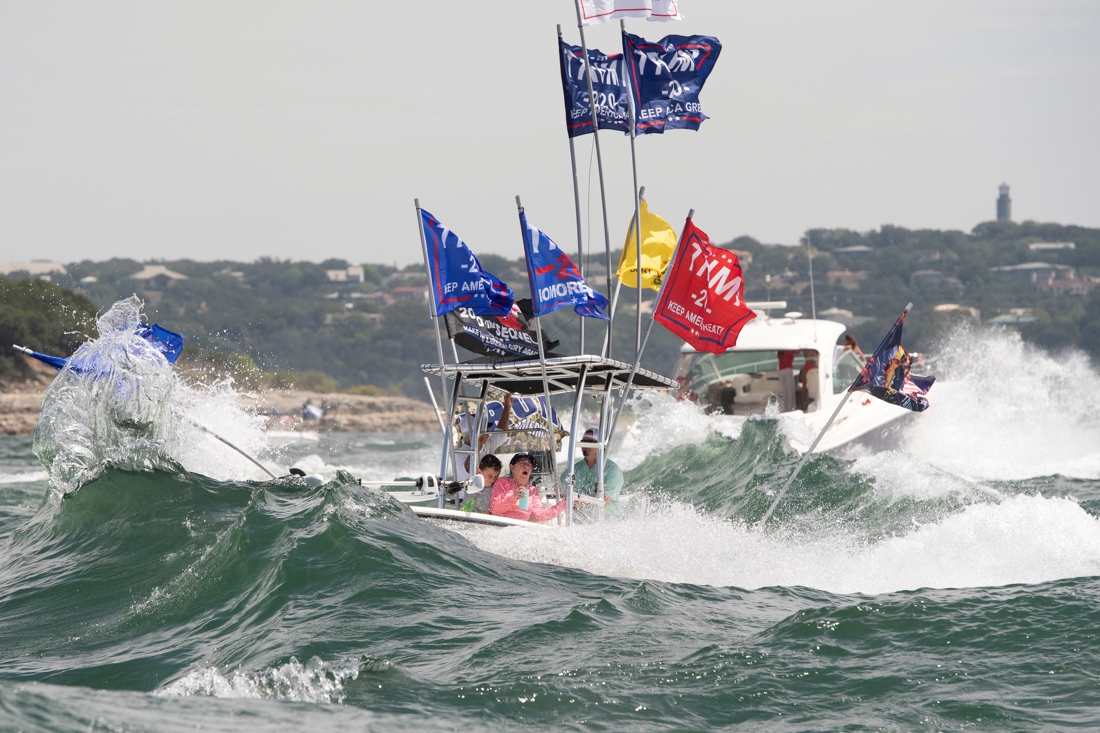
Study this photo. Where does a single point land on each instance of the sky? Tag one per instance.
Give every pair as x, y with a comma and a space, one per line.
238, 130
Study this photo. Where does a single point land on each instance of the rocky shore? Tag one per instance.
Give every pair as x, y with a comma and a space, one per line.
344, 412
21, 402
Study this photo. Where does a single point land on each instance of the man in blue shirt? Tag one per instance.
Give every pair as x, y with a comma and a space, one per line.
588, 475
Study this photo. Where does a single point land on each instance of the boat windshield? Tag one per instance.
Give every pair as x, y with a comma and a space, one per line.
848, 367
710, 368
746, 382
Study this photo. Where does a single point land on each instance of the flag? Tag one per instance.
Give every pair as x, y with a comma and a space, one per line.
504, 338
658, 243
167, 342
601, 11
608, 85
555, 280
457, 278
886, 374
666, 78
703, 300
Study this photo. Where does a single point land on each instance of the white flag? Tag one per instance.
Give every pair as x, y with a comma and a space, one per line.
600, 11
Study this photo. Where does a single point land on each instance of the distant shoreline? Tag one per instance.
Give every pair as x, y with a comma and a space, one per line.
21, 404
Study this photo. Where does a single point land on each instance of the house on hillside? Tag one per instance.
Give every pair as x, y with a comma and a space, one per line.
42, 269
1033, 273
157, 277
934, 279
846, 278
858, 249
411, 292
1073, 286
349, 275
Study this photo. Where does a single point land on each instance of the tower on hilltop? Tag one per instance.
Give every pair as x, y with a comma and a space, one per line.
1004, 204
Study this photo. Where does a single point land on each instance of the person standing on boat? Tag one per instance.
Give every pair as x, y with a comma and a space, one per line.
514, 497
809, 387
850, 344
788, 393
587, 473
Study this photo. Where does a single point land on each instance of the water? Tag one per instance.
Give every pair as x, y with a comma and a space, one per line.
952, 584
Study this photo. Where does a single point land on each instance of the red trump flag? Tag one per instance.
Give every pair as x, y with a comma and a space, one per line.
703, 301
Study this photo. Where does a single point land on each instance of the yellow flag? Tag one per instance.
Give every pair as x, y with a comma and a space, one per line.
658, 242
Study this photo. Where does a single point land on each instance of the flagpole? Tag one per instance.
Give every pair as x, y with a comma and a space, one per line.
619, 283
808, 453
599, 164
576, 194
431, 307
542, 356
637, 215
649, 329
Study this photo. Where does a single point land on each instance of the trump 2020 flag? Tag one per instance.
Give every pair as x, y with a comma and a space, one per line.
608, 86
458, 281
886, 374
703, 301
601, 11
555, 280
666, 78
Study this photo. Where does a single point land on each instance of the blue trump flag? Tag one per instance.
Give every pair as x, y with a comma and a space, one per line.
168, 343
886, 374
666, 78
608, 86
555, 280
458, 280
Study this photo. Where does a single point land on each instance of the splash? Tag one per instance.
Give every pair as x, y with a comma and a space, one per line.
1005, 410
315, 681
664, 424
118, 402
1023, 539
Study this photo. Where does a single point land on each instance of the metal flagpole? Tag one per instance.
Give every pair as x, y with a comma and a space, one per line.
599, 165
431, 308
571, 476
637, 215
813, 299
813, 445
805, 457
576, 197
619, 283
649, 329
542, 355
435, 405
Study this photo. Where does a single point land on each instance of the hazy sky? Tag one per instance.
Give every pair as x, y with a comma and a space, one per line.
237, 130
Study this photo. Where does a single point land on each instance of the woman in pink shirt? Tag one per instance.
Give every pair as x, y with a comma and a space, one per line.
513, 497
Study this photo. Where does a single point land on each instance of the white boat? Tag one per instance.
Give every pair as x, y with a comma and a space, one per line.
746, 379
472, 386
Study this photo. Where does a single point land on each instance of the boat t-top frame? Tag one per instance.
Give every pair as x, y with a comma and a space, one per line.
576, 375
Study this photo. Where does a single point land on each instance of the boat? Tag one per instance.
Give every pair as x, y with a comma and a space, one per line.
746, 381
473, 386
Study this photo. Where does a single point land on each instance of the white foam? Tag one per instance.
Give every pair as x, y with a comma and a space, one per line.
24, 478
1022, 539
664, 424
218, 408
1004, 410
898, 475
315, 681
